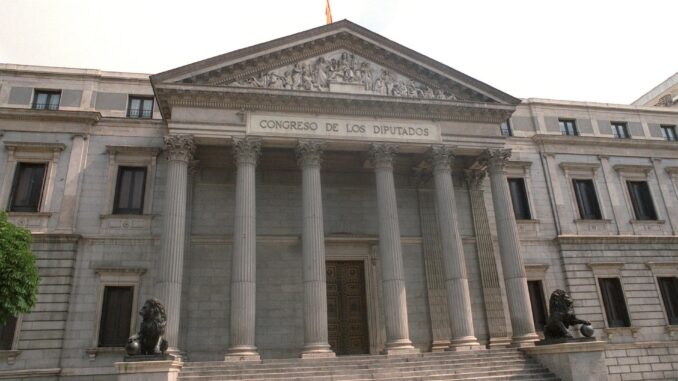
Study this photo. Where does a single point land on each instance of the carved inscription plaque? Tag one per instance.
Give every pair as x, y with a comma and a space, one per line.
345, 129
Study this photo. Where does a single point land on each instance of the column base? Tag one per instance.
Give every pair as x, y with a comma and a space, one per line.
242, 353
499, 342
469, 343
400, 347
524, 341
440, 345
314, 351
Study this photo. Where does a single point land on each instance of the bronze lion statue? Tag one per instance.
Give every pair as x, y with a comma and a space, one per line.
149, 341
561, 316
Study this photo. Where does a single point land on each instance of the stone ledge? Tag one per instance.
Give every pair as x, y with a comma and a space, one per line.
29, 373
642, 345
621, 331
571, 347
92, 353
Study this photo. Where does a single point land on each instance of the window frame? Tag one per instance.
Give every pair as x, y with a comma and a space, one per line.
637, 200
612, 270
616, 126
670, 137
537, 272
623, 299
37, 153
140, 113
664, 269
131, 156
117, 210
12, 353
508, 129
639, 172
15, 184
104, 317
526, 199
50, 93
115, 277
564, 125
579, 200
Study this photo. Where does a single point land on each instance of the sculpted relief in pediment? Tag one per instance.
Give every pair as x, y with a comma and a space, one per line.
342, 72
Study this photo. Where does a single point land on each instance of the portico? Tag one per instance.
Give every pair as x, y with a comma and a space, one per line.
372, 144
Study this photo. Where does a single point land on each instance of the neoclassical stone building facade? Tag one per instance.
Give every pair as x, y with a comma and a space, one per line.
331, 193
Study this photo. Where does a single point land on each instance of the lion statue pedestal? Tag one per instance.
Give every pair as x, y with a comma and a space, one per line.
570, 358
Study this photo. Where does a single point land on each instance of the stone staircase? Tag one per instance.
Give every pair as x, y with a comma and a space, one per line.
490, 365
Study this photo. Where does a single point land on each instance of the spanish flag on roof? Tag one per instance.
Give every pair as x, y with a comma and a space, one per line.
328, 12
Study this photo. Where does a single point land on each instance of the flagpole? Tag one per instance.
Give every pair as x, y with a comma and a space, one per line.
328, 12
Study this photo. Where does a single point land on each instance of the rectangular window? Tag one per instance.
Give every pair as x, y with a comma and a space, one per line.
7, 334
521, 207
669, 290
568, 127
129, 190
620, 130
641, 198
587, 201
613, 301
140, 107
669, 133
46, 99
27, 187
505, 128
116, 316
538, 303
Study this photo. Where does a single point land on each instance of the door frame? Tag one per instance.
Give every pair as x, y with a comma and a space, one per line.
364, 252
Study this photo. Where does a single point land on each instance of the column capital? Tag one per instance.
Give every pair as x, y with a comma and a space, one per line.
246, 150
441, 156
474, 178
382, 154
310, 152
496, 158
179, 147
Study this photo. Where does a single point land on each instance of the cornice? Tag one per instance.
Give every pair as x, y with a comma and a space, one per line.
152, 151
633, 168
35, 146
274, 100
616, 239
632, 109
86, 117
602, 142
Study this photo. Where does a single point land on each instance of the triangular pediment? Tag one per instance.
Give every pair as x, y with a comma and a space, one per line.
338, 58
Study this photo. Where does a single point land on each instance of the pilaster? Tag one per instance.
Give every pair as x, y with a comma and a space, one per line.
495, 305
515, 278
456, 280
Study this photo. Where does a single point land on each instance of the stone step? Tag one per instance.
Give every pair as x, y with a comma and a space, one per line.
310, 365
487, 365
364, 366
359, 358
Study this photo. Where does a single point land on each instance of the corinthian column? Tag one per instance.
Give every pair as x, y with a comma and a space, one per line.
179, 150
309, 153
509, 249
390, 252
456, 281
243, 263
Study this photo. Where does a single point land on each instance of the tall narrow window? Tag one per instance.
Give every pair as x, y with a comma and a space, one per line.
521, 207
641, 199
669, 290
538, 303
116, 316
613, 300
129, 191
587, 201
505, 128
568, 127
7, 334
27, 187
669, 133
140, 107
46, 99
620, 130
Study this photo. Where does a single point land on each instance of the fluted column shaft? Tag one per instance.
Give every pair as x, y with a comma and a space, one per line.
179, 151
316, 343
390, 251
243, 264
509, 247
456, 280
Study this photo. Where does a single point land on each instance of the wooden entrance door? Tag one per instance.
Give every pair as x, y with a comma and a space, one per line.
346, 308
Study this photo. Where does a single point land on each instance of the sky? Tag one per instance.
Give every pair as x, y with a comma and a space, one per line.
594, 50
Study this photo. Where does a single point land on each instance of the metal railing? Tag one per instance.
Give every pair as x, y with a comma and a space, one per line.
139, 113
45, 106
